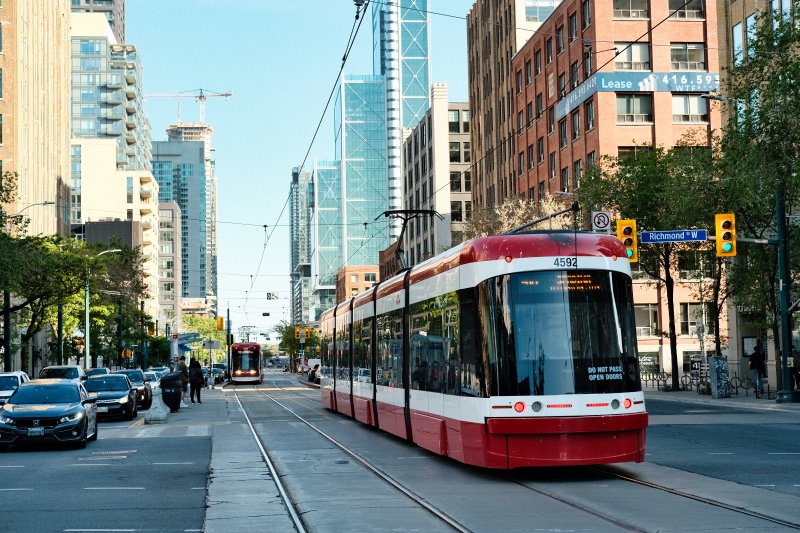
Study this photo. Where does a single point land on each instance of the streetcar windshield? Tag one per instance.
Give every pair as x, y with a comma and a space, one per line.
569, 332
245, 359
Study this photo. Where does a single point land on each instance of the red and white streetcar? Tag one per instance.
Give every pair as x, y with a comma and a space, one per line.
510, 351
246, 363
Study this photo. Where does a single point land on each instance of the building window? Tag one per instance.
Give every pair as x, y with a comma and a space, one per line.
736, 43
689, 108
528, 73
129, 189
455, 212
551, 119
587, 14
683, 9
464, 123
577, 172
519, 81
549, 49
552, 165
1, 83
565, 179
589, 110
632, 56
646, 317
370, 277
630, 9
540, 149
537, 62
591, 158
453, 121
466, 154
574, 74
521, 164
562, 85
1, 129
529, 112
467, 209
531, 158
455, 182
467, 181
560, 39
455, 152
634, 108
750, 32
562, 131
691, 313
520, 123
539, 106
688, 56
573, 27
587, 64
576, 125
424, 161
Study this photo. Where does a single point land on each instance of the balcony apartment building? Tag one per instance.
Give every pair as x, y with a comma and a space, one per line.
34, 110
300, 237
111, 174
737, 20
496, 30
588, 84
437, 176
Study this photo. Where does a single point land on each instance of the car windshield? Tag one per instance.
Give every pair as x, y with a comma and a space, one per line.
107, 383
134, 375
95, 371
59, 373
152, 375
45, 394
8, 383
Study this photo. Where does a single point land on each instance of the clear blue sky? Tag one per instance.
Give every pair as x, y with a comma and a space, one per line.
280, 60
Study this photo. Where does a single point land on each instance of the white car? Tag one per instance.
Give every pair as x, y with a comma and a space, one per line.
71, 372
155, 378
9, 382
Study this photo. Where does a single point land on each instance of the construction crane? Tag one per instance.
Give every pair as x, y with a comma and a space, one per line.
198, 94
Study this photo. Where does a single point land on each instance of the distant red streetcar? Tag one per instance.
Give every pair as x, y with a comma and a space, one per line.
246, 363
504, 352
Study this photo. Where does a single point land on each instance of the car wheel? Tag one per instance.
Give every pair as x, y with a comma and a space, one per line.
96, 428
131, 412
84, 438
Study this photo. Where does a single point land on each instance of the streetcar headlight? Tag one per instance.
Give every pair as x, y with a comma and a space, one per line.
536, 406
615, 404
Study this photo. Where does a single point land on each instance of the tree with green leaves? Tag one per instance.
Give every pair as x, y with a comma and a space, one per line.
661, 189
207, 328
760, 150
291, 345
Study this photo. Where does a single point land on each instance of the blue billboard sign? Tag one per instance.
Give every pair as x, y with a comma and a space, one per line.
677, 82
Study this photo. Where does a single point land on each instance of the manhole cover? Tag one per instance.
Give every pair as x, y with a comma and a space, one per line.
342, 462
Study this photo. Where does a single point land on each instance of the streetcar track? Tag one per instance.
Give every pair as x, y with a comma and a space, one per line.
441, 515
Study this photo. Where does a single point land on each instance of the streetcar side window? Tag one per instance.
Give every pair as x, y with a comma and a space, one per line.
390, 349
473, 376
434, 330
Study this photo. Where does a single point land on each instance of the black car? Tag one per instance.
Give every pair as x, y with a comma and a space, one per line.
116, 395
96, 371
54, 410
144, 395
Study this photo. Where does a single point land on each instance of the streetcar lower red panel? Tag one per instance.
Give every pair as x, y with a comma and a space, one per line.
343, 403
391, 419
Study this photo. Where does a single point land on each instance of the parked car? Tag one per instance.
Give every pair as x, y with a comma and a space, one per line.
224, 368
115, 394
73, 372
9, 382
312, 374
144, 394
219, 375
363, 375
54, 410
96, 371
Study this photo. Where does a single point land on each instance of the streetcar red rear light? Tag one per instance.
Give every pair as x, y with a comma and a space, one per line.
597, 405
519, 407
559, 405
627, 403
508, 258
614, 257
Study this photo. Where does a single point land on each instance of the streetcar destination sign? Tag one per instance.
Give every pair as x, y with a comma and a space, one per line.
675, 235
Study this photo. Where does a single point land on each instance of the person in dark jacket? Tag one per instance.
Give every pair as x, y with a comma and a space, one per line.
184, 379
195, 379
758, 365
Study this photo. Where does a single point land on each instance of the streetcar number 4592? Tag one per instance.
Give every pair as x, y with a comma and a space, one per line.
569, 262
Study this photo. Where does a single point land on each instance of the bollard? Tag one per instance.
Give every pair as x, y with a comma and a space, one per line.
157, 414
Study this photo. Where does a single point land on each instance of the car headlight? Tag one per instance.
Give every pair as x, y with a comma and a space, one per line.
71, 418
6, 420
124, 399
140, 388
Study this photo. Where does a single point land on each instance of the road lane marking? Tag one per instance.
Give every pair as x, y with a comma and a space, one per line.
720, 453
97, 530
14, 489
187, 463
113, 488
92, 464
783, 453
140, 421
763, 485
12, 466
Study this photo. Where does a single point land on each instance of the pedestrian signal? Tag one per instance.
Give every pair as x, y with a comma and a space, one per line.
626, 232
726, 234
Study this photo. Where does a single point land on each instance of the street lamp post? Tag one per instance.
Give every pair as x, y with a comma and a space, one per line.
7, 306
87, 362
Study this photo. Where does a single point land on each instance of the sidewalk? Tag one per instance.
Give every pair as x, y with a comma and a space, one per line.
742, 401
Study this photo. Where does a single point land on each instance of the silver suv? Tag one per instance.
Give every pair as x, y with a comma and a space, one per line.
71, 372
10, 382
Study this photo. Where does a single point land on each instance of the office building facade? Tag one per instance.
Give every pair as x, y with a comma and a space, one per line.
300, 236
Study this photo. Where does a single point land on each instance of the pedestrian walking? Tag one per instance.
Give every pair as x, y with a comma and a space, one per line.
195, 380
758, 366
184, 379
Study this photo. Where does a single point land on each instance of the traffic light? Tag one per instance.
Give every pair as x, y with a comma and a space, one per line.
301, 352
726, 234
220, 323
297, 332
308, 333
626, 232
